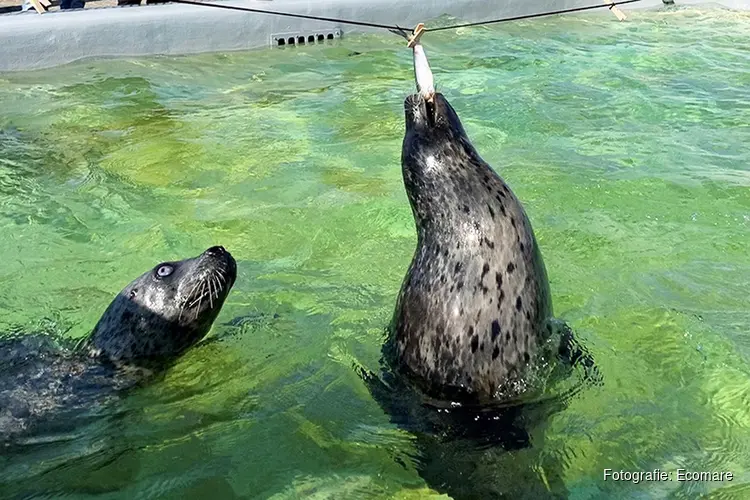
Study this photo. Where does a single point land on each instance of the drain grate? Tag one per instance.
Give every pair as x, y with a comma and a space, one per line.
283, 39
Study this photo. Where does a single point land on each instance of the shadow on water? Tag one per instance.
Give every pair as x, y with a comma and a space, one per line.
471, 452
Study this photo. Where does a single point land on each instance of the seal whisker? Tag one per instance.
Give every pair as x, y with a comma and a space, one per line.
192, 293
200, 295
185, 304
200, 299
220, 274
210, 292
217, 287
220, 279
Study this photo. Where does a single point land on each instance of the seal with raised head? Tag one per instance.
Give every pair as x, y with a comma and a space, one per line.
147, 326
474, 306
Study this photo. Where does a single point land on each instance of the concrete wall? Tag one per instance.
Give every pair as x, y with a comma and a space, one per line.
31, 41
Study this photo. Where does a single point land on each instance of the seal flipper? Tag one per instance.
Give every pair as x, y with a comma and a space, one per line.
574, 354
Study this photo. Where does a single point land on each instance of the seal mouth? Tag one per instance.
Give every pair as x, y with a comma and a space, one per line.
422, 112
219, 272
430, 111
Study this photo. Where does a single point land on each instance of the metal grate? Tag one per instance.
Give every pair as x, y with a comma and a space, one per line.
283, 39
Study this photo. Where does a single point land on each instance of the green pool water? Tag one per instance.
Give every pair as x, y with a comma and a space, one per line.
627, 143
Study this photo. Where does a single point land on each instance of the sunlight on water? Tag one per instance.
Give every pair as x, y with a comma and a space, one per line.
627, 142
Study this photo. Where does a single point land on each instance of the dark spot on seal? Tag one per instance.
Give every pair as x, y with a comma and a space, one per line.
470, 332
461, 313
457, 268
499, 280
466, 209
439, 330
492, 212
511, 267
523, 248
513, 222
495, 352
526, 357
481, 347
528, 316
485, 269
519, 304
474, 343
507, 336
495, 330
489, 243
459, 285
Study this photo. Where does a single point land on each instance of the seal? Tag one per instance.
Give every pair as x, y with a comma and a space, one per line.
162, 313
473, 330
473, 309
469, 364
47, 382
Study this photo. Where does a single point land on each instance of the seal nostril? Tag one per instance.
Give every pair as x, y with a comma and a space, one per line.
217, 250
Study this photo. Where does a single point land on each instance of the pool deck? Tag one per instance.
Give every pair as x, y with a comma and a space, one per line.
32, 41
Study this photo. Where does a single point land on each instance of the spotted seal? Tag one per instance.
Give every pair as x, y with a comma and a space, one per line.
473, 323
474, 307
147, 326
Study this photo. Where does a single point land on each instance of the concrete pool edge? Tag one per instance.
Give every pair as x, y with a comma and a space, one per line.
31, 41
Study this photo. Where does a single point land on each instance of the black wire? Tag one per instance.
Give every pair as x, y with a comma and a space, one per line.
530, 16
290, 14
395, 28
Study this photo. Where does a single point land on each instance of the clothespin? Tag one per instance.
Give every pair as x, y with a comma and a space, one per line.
422, 72
616, 10
416, 35
40, 5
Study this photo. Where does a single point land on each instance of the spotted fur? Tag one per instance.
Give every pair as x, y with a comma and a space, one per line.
159, 317
46, 383
474, 306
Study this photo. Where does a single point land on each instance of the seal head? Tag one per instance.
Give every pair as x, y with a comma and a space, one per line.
165, 311
474, 305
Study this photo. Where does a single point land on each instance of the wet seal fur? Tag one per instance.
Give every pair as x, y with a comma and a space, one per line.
474, 310
165, 311
149, 324
473, 328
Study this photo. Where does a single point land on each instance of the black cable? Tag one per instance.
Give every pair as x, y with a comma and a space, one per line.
290, 14
395, 28
530, 16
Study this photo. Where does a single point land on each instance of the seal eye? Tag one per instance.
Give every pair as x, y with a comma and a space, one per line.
164, 271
